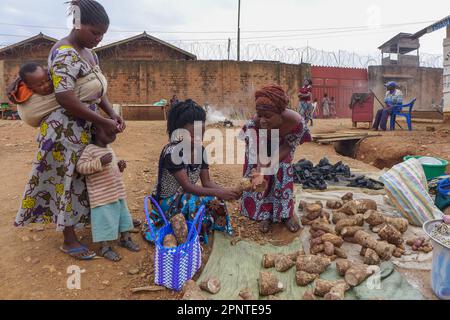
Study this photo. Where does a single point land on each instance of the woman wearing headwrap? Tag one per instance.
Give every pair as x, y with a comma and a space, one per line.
276, 203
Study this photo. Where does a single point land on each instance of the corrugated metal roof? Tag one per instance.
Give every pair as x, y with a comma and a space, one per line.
145, 35
40, 36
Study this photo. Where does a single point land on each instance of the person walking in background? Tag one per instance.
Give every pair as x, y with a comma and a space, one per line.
326, 106
333, 111
314, 108
173, 101
305, 96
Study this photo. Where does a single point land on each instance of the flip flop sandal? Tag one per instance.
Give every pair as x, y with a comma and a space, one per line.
130, 245
75, 253
109, 254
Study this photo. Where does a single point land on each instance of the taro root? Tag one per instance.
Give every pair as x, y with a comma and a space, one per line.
170, 241
180, 228
211, 285
357, 274
312, 264
283, 263
304, 278
269, 284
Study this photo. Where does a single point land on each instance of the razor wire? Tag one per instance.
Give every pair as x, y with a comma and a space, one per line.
290, 55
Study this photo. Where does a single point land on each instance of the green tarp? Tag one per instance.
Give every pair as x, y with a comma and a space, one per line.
238, 267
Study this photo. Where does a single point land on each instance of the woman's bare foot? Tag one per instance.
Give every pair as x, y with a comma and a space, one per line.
264, 226
292, 225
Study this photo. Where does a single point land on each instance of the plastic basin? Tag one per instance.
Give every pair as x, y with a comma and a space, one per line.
440, 270
432, 170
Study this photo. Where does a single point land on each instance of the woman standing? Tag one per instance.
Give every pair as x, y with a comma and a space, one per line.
305, 96
55, 193
276, 203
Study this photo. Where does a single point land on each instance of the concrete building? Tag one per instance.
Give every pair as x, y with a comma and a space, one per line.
401, 64
447, 76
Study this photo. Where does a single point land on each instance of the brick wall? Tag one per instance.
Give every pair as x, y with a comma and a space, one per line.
223, 84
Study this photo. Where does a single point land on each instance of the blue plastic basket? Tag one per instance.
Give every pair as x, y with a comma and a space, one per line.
175, 266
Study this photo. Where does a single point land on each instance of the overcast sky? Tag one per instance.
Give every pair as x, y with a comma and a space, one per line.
322, 19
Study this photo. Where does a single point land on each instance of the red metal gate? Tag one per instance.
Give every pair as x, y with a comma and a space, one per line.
339, 83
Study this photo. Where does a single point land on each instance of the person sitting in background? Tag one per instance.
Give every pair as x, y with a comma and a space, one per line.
393, 97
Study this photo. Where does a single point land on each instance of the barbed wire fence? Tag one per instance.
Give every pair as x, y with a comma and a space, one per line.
290, 55
256, 51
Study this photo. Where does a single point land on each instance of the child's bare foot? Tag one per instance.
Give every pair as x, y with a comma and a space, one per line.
108, 253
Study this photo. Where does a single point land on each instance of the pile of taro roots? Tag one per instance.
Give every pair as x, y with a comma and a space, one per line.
316, 177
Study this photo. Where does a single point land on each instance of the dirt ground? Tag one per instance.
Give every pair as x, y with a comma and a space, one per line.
392, 147
32, 267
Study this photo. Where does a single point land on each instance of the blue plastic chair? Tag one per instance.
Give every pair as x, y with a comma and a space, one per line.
398, 111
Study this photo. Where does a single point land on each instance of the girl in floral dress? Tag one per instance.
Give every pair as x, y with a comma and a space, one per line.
55, 193
176, 190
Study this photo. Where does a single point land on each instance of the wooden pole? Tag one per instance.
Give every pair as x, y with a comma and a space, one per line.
239, 32
446, 77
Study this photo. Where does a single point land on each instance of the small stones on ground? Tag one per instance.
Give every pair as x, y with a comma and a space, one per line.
51, 268
25, 239
133, 271
37, 238
148, 289
106, 283
35, 261
38, 228
27, 259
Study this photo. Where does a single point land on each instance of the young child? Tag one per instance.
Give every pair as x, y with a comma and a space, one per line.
33, 79
177, 182
109, 211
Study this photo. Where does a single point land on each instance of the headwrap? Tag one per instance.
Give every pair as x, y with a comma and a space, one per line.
271, 98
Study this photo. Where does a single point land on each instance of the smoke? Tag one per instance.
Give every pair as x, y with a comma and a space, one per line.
214, 115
